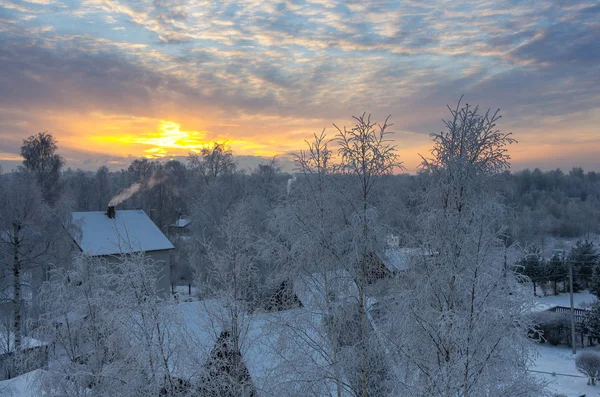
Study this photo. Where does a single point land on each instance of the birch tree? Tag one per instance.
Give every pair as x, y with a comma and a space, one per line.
28, 230
306, 235
233, 281
40, 157
110, 331
465, 328
337, 236
366, 155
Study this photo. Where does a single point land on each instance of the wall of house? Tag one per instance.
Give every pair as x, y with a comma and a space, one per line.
162, 261
163, 283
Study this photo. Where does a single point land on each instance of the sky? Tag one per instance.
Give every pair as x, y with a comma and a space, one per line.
116, 80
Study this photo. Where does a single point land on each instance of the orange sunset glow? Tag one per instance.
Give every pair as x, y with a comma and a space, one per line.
118, 80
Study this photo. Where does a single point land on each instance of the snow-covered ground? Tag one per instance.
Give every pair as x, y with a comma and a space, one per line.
21, 386
549, 245
580, 299
183, 293
560, 361
554, 364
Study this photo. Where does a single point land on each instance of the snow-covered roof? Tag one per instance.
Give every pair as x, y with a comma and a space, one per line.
276, 348
312, 288
181, 222
7, 344
398, 259
129, 231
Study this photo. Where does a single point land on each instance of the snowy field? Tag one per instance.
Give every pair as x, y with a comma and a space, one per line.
560, 361
21, 386
580, 299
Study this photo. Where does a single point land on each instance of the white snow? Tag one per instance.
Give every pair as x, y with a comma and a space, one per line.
21, 386
310, 288
182, 222
560, 361
580, 299
7, 344
130, 231
272, 367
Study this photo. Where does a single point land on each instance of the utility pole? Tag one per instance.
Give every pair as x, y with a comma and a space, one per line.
571, 298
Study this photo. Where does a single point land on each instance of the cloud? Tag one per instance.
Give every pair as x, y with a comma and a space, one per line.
281, 70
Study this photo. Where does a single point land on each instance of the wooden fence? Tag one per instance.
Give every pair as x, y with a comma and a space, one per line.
580, 314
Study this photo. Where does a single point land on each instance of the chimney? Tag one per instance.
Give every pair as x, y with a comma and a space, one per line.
110, 212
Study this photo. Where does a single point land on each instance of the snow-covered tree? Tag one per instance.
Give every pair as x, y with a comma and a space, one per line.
584, 258
307, 246
366, 155
533, 266
80, 318
29, 229
213, 162
588, 363
592, 320
111, 333
557, 272
331, 228
464, 327
233, 281
40, 157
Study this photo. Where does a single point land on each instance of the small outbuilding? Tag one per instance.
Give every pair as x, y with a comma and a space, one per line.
181, 227
32, 355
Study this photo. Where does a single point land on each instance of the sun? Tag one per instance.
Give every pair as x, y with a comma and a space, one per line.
168, 139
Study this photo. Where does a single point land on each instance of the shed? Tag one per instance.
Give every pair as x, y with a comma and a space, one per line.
181, 227
32, 355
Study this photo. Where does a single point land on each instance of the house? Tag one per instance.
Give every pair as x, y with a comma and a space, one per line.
114, 233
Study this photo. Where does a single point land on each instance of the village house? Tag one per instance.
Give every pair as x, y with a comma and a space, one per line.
114, 233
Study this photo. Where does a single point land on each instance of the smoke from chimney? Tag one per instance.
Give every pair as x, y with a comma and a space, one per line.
290, 182
125, 194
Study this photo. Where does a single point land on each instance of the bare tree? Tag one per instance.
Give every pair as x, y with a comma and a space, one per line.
334, 238
40, 157
588, 363
366, 155
213, 162
465, 328
232, 279
305, 234
28, 230
111, 332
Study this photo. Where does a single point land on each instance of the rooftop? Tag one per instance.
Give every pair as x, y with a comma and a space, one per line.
129, 231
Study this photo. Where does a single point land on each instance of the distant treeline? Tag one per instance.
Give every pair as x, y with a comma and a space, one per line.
555, 203
543, 203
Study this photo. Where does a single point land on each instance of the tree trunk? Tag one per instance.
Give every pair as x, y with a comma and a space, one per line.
16, 288
363, 342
